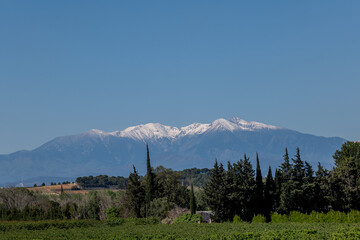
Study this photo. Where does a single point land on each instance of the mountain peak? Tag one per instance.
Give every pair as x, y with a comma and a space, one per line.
156, 130
223, 124
96, 132
150, 130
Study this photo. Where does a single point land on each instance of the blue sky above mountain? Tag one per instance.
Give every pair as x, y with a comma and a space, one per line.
67, 69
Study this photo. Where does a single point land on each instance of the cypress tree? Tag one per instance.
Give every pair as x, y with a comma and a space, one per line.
192, 200
149, 180
269, 194
259, 191
278, 181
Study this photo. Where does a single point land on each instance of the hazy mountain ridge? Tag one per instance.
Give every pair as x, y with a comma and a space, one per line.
197, 145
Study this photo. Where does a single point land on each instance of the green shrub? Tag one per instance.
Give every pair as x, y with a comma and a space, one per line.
188, 218
159, 207
259, 219
237, 219
279, 218
296, 216
113, 212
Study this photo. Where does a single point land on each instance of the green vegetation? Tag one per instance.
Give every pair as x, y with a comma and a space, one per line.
102, 181
188, 218
238, 191
298, 203
198, 177
138, 230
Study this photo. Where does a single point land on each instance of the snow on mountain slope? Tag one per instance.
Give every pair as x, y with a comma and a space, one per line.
156, 130
195, 128
150, 130
251, 126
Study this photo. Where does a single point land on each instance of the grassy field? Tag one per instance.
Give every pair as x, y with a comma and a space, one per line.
99, 230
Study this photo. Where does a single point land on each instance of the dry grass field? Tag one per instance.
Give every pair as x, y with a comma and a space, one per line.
56, 189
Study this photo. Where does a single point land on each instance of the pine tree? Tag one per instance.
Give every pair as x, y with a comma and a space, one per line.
269, 194
230, 203
247, 189
259, 190
287, 185
278, 181
192, 200
309, 189
135, 193
149, 180
215, 192
345, 179
286, 167
292, 195
321, 189
299, 171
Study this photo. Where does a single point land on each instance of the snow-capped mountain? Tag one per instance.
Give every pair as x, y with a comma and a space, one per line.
196, 145
153, 131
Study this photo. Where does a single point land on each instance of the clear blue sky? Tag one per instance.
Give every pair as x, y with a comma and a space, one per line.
70, 66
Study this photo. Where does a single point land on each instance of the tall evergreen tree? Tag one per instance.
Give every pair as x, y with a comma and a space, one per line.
245, 188
346, 175
215, 192
269, 195
135, 193
286, 166
149, 180
259, 190
299, 171
230, 204
192, 200
287, 185
292, 195
321, 190
277, 193
308, 189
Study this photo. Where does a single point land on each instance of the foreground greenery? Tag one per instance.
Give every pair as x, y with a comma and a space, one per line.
240, 191
100, 230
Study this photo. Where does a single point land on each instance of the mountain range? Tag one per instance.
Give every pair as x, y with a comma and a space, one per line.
196, 145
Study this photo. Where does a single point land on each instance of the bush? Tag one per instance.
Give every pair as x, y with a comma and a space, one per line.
188, 218
296, 216
259, 219
237, 219
113, 212
279, 218
159, 207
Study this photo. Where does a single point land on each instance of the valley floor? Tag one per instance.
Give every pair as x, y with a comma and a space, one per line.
99, 230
